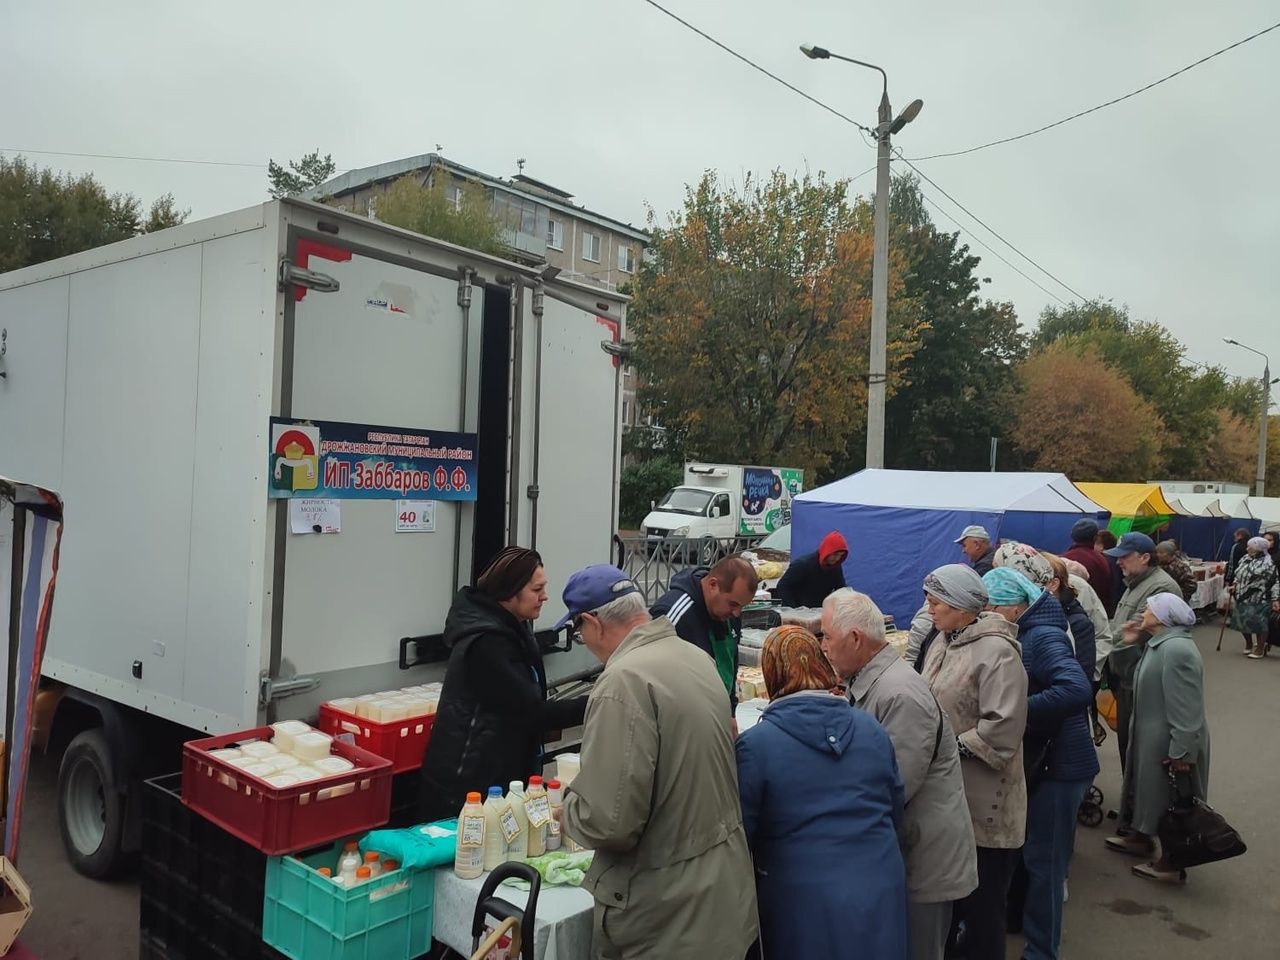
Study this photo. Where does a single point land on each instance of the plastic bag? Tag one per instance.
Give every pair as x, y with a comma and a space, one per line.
416, 848
1108, 709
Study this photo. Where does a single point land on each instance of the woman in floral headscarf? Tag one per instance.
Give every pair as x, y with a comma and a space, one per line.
1257, 594
821, 803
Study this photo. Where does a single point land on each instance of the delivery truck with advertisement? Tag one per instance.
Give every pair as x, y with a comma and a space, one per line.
284, 438
721, 502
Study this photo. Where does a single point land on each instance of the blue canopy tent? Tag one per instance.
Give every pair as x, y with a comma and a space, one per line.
901, 524
1200, 524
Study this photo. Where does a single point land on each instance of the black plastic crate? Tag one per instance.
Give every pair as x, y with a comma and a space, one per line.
179, 845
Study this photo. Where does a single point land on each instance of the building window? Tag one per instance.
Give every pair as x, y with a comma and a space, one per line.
555, 234
626, 259
591, 247
453, 194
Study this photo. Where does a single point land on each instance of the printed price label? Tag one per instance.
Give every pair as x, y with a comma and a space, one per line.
415, 516
472, 832
538, 811
554, 827
510, 826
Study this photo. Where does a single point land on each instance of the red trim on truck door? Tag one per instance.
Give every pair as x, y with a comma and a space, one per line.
615, 331
308, 248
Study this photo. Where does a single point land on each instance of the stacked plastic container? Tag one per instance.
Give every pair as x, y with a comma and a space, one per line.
395, 724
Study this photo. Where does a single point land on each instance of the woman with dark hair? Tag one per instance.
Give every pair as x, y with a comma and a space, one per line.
493, 711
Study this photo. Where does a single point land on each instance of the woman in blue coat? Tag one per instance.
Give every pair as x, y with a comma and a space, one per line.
821, 804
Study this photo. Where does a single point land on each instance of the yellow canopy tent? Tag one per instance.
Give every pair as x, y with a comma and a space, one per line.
1133, 506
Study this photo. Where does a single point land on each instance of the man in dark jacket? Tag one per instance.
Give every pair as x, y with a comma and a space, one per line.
1238, 551
1083, 535
1106, 541
977, 546
705, 607
810, 579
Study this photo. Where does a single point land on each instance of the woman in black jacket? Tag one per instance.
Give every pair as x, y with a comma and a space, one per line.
493, 711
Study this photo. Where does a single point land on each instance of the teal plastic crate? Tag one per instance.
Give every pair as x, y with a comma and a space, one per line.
308, 917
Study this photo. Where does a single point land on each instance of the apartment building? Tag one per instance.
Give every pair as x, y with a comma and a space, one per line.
541, 222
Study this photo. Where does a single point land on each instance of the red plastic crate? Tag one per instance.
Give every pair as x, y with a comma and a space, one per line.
403, 742
288, 819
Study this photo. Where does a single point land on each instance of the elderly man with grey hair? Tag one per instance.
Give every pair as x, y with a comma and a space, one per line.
937, 833
657, 797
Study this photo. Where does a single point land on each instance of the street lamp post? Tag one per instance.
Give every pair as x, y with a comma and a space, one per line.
877, 373
1260, 482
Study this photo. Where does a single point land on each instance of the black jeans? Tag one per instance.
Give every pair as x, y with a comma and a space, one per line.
983, 911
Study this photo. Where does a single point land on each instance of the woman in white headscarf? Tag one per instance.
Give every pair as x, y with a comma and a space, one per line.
1169, 731
1257, 594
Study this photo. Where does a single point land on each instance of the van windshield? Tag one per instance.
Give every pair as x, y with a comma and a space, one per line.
685, 500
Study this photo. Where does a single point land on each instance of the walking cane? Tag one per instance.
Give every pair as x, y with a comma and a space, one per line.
1226, 615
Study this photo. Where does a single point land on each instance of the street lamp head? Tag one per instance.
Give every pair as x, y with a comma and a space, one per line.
1230, 341
906, 116
815, 53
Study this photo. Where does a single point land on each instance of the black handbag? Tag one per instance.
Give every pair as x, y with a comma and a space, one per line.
1192, 832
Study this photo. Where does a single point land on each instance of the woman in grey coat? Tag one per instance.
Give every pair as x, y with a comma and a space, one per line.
1168, 730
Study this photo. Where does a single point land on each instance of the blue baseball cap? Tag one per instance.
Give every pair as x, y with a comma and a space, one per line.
1132, 543
593, 587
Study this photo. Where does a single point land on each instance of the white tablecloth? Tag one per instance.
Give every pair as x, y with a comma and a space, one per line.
562, 928
1209, 592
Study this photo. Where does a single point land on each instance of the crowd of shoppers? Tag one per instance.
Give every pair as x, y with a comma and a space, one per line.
915, 807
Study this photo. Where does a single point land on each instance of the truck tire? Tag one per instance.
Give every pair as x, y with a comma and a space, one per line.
91, 810
709, 553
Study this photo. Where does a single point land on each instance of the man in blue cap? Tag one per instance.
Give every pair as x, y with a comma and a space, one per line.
657, 795
1143, 578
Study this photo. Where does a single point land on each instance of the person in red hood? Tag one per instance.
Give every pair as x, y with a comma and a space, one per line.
815, 576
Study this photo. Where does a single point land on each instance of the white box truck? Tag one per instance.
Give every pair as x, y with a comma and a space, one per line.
174, 389
720, 502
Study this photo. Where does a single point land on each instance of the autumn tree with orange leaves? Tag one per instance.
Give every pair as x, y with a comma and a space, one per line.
751, 318
1081, 417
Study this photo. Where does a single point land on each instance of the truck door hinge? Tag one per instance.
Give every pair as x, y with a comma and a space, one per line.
464, 286
292, 275
275, 689
533, 491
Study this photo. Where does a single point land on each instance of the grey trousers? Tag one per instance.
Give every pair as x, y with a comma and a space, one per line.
928, 925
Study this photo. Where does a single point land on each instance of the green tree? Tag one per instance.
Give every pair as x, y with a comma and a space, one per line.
426, 209
45, 215
751, 317
299, 176
643, 483
958, 387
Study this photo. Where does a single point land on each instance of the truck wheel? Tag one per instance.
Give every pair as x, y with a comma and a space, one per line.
90, 808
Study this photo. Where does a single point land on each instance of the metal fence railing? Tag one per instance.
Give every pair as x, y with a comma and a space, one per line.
652, 562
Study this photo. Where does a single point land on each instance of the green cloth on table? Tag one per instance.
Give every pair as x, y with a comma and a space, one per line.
557, 869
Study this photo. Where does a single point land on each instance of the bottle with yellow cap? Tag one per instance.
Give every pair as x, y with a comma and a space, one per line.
468, 858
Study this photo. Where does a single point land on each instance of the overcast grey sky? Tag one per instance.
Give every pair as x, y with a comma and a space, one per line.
1167, 202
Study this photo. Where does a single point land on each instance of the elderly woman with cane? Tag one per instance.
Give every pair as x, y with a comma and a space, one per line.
821, 804
1256, 595
1169, 728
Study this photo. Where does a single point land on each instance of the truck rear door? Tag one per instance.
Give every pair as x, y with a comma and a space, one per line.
392, 355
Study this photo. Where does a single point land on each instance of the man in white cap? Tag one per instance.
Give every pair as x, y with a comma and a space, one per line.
977, 546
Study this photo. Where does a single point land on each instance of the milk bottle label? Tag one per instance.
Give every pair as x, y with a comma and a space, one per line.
472, 832
538, 811
510, 826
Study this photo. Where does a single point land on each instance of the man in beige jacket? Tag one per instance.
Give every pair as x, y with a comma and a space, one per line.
657, 796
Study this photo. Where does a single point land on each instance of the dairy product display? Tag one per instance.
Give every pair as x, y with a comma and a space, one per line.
392, 706
285, 731
468, 859
259, 749
538, 812
312, 746
518, 845
495, 841
555, 800
328, 766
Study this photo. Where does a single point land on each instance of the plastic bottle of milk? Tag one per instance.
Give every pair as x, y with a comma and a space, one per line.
349, 862
538, 812
373, 860
468, 858
495, 843
555, 798
518, 847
